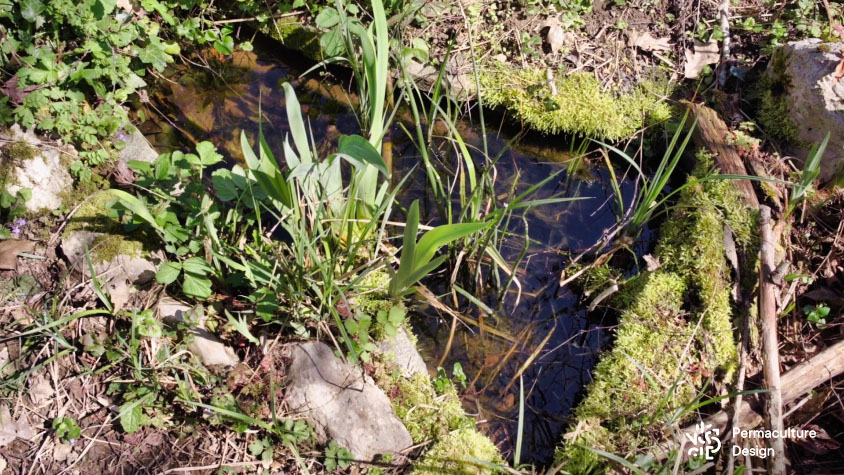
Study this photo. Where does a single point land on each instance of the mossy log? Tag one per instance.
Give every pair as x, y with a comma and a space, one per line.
710, 134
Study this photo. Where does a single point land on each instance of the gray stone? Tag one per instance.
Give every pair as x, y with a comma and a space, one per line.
137, 147
210, 350
134, 269
44, 173
404, 353
119, 275
342, 403
815, 99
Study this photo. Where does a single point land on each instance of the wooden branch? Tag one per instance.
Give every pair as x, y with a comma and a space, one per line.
796, 382
770, 347
711, 134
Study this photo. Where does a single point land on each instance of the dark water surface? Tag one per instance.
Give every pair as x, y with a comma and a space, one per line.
196, 104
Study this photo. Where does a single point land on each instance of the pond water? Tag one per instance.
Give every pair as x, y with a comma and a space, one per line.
195, 103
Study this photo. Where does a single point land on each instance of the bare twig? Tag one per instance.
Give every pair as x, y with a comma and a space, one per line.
770, 348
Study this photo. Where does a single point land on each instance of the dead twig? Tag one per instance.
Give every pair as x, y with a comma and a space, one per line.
770, 347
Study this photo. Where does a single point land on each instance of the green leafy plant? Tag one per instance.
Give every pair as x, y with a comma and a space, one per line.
811, 169
417, 258
261, 448
337, 456
66, 429
817, 314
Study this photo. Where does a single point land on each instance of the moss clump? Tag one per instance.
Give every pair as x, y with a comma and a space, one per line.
94, 215
771, 93
675, 329
580, 106
426, 413
458, 453
296, 36
11, 156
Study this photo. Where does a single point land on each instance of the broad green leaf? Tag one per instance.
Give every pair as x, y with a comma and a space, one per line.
297, 125
197, 266
168, 272
135, 205
30, 9
358, 148
442, 235
208, 153
196, 286
132, 415
224, 185
327, 17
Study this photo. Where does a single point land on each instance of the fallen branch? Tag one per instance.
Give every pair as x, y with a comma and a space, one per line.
770, 347
796, 382
711, 134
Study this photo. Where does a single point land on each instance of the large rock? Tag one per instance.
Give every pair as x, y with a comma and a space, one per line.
342, 403
814, 98
39, 168
135, 146
120, 272
403, 353
210, 350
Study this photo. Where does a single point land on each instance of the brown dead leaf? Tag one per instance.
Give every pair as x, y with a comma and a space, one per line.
652, 262
9, 250
646, 41
703, 55
11, 429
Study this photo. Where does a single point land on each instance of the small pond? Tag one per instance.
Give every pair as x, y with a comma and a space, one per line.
216, 100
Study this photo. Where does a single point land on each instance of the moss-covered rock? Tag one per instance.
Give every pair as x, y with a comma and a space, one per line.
581, 106
465, 451
675, 329
104, 233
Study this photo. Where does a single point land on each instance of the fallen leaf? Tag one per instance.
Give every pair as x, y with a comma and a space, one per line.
9, 250
703, 55
40, 391
61, 451
646, 41
555, 38
652, 262
11, 429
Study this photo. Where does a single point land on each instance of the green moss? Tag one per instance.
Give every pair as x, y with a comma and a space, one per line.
11, 156
675, 328
93, 215
581, 106
771, 94
296, 36
453, 453
426, 413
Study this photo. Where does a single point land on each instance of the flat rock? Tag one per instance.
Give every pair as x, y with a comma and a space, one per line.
815, 98
210, 350
136, 147
120, 274
134, 269
342, 403
44, 173
404, 353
